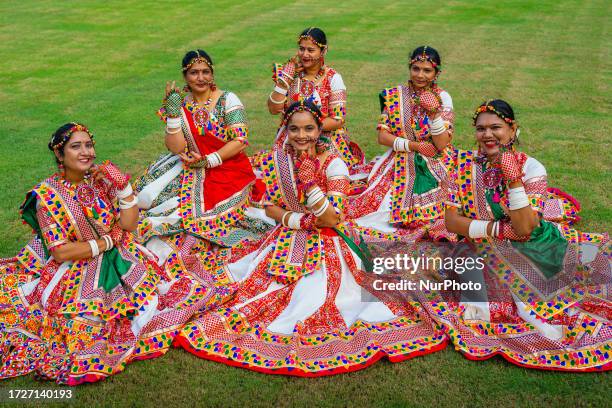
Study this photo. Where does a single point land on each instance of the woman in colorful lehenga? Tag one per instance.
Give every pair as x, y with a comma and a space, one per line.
197, 193
547, 299
300, 308
83, 299
305, 76
406, 187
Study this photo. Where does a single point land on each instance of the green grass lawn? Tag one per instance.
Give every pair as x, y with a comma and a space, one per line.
106, 64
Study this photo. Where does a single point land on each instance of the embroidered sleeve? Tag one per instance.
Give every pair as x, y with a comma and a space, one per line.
51, 232
338, 184
337, 99
235, 119
535, 182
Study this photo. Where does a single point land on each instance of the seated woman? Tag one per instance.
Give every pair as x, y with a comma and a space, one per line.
407, 185
202, 186
83, 299
547, 301
301, 308
305, 76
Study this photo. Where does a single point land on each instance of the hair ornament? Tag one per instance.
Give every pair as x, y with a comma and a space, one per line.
309, 36
303, 105
76, 127
424, 57
196, 60
487, 107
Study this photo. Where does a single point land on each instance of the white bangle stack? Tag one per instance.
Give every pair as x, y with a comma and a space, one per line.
126, 205
437, 126
319, 212
173, 125
314, 196
213, 160
109, 242
125, 193
518, 198
478, 229
401, 145
95, 250
281, 90
291, 219
495, 231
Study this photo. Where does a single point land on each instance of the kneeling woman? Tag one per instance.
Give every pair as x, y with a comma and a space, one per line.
301, 308
202, 186
546, 303
407, 185
81, 301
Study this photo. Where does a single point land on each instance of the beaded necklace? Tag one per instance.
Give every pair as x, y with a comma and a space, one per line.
201, 114
307, 86
85, 193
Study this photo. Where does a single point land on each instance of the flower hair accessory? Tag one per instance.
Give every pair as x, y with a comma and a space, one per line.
197, 59
424, 57
486, 107
76, 127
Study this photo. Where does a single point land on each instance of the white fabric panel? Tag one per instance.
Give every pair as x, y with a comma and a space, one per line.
144, 316
307, 297
165, 206
447, 101
317, 99
336, 168
379, 219
533, 168
160, 249
27, 288
476, 311
152, 190
550, 331
260, 214
231, 101
476, 302
336, 83
349, 298
588, 252
244, 267
379, 162
169, 219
